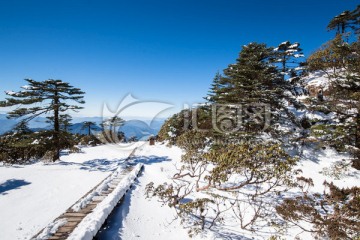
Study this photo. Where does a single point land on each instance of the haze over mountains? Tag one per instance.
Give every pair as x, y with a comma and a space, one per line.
141, 129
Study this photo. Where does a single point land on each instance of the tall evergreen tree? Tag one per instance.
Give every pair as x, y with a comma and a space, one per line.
346, 20
340, 22
111, 128
340, 60
219, 89
64, 121
288, 55
45, 97
88, 125
252, 80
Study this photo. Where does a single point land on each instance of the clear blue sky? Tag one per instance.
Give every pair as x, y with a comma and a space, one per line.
165, 50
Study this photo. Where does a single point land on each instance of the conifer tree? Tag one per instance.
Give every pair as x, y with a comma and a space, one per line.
45, 97
288, 55
340, 22
64, 121
254, 79
346, 20
219, 88
88, 125
340, 60
111, 129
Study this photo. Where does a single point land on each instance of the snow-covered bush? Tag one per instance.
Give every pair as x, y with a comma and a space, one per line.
337, 170
335, 214
22, 145
241, 179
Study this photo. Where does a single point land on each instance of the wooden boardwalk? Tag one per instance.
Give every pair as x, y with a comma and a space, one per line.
72, 218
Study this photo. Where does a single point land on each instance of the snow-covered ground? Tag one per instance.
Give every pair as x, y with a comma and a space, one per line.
141, 218
31, 196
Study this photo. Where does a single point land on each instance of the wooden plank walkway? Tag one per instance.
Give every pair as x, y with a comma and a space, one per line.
72, 218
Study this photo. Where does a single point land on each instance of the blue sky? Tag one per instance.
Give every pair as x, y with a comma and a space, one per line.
166, 51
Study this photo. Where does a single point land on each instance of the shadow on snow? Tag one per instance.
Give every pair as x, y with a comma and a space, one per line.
12, 184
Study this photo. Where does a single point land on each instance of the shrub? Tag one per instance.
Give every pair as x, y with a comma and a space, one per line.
334, 215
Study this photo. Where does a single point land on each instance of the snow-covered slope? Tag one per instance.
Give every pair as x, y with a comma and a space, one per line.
33, 195
142, 218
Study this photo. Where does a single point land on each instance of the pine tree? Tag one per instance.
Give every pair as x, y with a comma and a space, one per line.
219, 89
346, 20
288, 55
45, 97
340, 22
340, 60
252, 80
111, 129
88, 125
64, 121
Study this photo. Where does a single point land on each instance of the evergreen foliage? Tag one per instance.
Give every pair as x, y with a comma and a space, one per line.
288, 55
223, 165
254, 81
45, 97
22, 145
197, 119
64, 121
340, 60
111, 133
346, 20
333, 215
89, 126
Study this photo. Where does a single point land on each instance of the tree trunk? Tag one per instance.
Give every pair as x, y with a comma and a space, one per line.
357, 130
356, 161
284, 66
56, 126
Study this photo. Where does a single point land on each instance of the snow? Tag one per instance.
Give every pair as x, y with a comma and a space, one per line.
299, 56
89, 226
51, 229
11, 93
317, 79
144, 218
295, 45
31, 196
27, 87
313, 163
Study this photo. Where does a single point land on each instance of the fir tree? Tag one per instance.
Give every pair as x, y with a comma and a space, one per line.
219, 89
340, 60
288, 55
346, 20
252, 80
111, 127
88, 125
45, 97
340, 22
64, 121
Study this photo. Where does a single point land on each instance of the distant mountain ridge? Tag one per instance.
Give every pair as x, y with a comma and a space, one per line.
131, 128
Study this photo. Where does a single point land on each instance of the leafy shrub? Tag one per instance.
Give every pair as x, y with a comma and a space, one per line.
337, 169
334, 215
263, 168
23, 146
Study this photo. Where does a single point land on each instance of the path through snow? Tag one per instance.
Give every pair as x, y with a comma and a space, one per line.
141, 218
